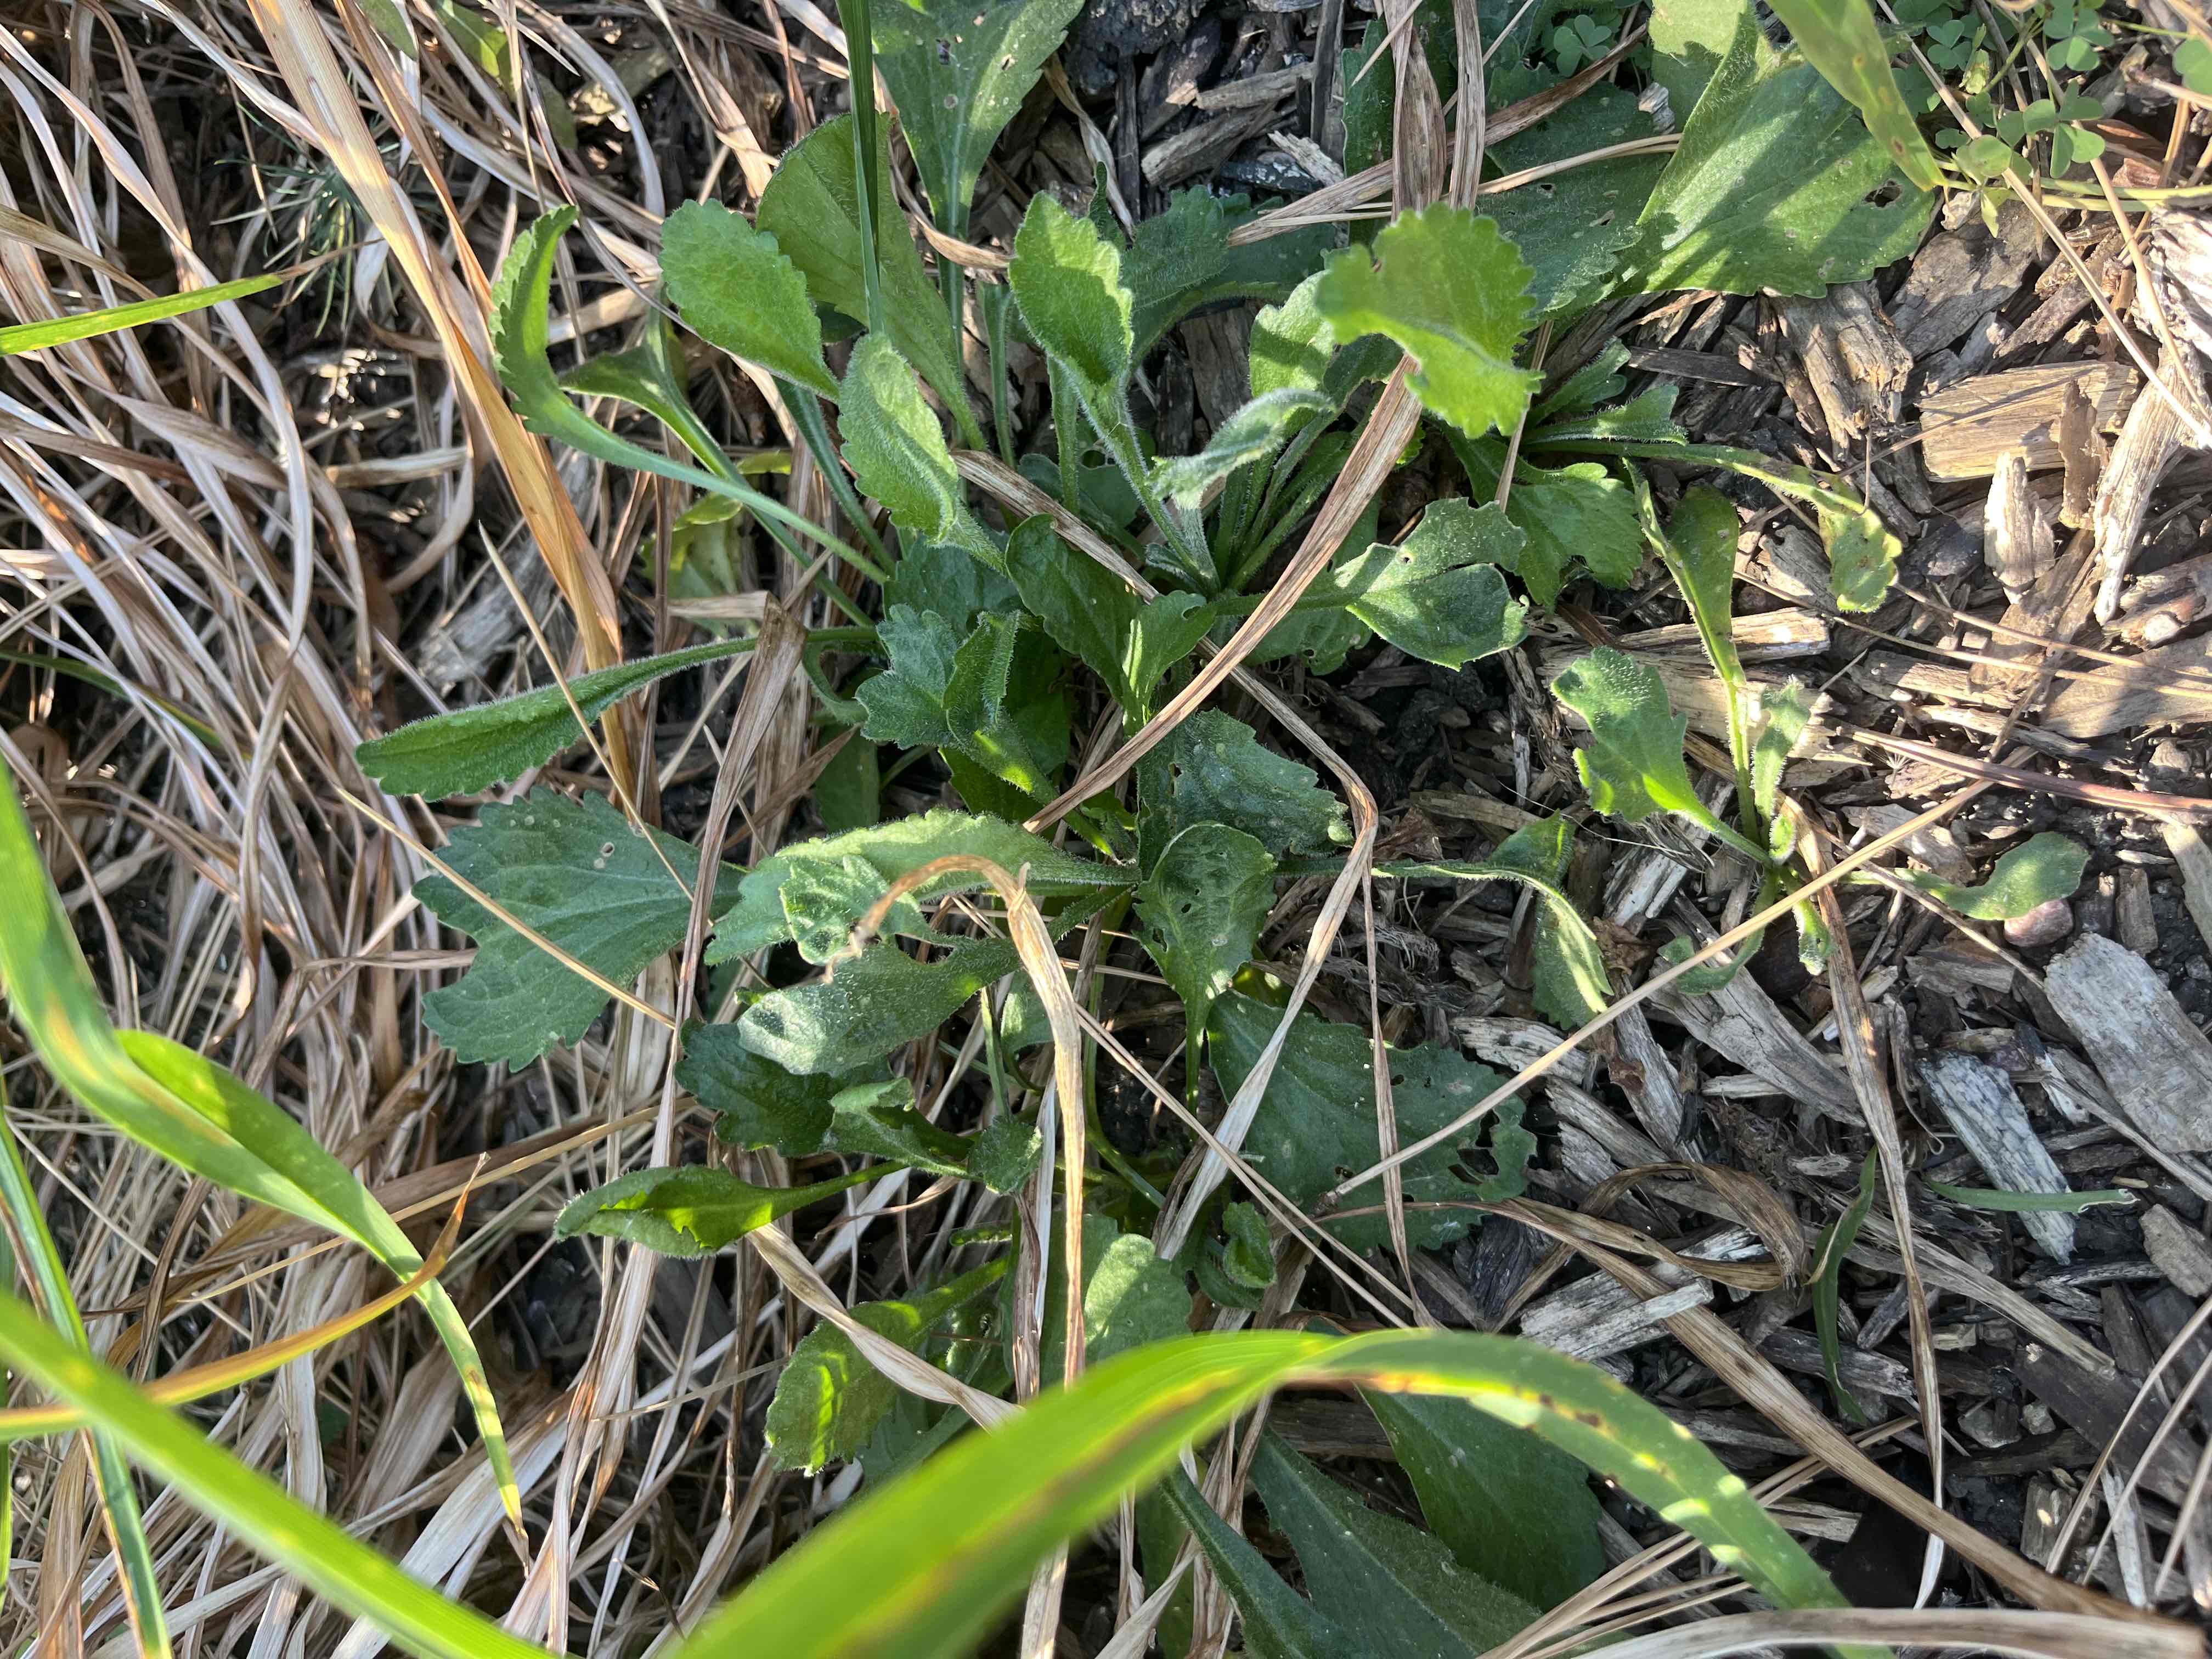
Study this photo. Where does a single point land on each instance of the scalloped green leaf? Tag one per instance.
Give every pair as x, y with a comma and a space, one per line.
735, 288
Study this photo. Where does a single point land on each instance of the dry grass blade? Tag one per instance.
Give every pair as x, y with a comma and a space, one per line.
2028, 1635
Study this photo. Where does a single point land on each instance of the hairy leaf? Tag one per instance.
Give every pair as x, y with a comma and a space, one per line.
472, 749
1203, 907
736, 289
1211, 768
1452, 291
576, 873
1130, 1296
1786, 710
1440, 594
1067, 280
871, 1004
878, 1119
2043, 868
898, 453
1252, 433
1841, 39
942, 692
1633, 764
1005, 1152
690, 1211
1318, 1121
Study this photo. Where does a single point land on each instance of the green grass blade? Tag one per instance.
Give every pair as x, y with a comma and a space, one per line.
191, 1111
318, 1553
948, 1546
142, 1590
90, 676
90, 325
1827, 1287
1994, 1198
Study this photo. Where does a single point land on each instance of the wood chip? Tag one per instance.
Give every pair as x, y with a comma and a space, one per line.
1740, 1023
2157, 1064
2149, 442
2171, 773
2169, 686
2138, 927
1207, 144
1852, 357
2016, 542
2178, 1251
1255, 90
1966, 428
1960, 276
1983, 1107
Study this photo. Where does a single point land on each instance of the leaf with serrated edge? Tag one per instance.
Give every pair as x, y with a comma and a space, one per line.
1578, 516
1453, 292
2043, 868
1632, 765
1396, 1587
574, 872
898, 453
472, 749
1785, 710
735, 288
1201, 909
1211, 768
1066, 279
1440, 594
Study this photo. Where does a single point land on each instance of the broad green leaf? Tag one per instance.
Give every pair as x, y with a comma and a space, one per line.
898, 453
735, 288
1632, 765
691, 1210
756, 1102
1699, 549
1211, 768
1439, 595
1005, 1152
942, 692
829, 1398
1248, 1254
1514, 1511
959, 72
878, 1119
1181, 259
1130, 1296
1278, 1623
1317, 1120
871, 1004
1067, 280
319, 1552
196, 1114
1841, 39
1393, 1588
897, 849
1253, 432
1770, 188
824, 900
574, 872
1294, 350
952, 1544
18, 337
1828, 1286
933, 576
1567, 971
813, 209
1203, 907
1091, 614
1786, 710
1450, 291
1574, 227
1689, 38
472, 749
1572, 517
2043, 868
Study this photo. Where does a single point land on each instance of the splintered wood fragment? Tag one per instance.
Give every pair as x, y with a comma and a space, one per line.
2016, 543
2157, 1064
2171, 773
1965, 428
1852, 357
1740, 1023
2149, 442
2159, 608
1254, 90
2170, 686
1594, 1318
2084, 453
2055, 607
2137, 926
1984, 1108
1193, 150
1961, 276
1771, 635
2178, 1250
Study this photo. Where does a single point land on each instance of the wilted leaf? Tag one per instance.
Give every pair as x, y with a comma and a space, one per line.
736, 289
690, 1211
898, 453
1440, 594
1202, 908
757, 1103
1211, 769
1452, 291
2043, 868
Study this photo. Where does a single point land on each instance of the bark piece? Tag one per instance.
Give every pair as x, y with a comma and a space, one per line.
2157, 1064
1740, 1023
2170, 774
1986, 1111
2149, 439
1966, 428
2016, 542
2169, 686
1961, 276
2178, 1251
1852, 357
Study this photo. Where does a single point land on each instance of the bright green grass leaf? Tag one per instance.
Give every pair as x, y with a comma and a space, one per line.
829, 1398
574, 872
735, 288
871, 1004
1993, 1198
1211, 768
1005, 1152
322, 1555
1201, 909
757, 1102
186, 1109
472, 749
1440, 594
690, 1211
1248, 1254
812, 207
1575, 227
897, 849
977, 1503
1770, 188
1278, 1623
1570, 982
959, 73
878, 1119
1514, 1511
1632, 765
1067, 280
2043, 868
521, 335
1841, 39
1130, 1296
898, 453
1394, 1588
19, 338
1828, 1286
1253, 432
1318, 1119
1453, 292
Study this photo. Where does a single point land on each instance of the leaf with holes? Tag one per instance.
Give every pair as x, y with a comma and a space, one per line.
1202, 909
1453, 293
735, 288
